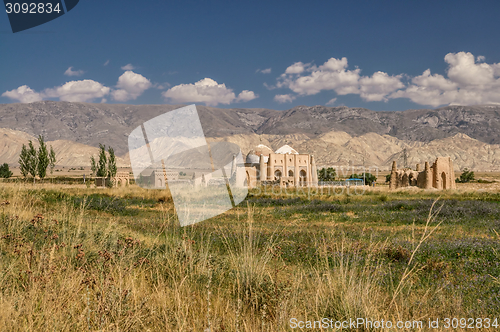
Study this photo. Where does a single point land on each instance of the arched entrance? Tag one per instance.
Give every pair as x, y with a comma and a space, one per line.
247, 179
302, 178
290, 173
277, 174
443, 178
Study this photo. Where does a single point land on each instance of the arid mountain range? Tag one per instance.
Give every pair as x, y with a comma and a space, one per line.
335, 135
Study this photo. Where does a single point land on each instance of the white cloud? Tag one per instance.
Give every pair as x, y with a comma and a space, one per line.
284, 98
332, 75
162, 86
23, 94
130, 86
435, 81
296, 68
246, 95
269, 87
264, 71
206, 91
106, 63
71, 72
464, 70
78, 91
128, 67
469, 82
331, 102
378, 86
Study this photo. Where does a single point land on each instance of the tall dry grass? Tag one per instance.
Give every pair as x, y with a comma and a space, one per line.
69, 269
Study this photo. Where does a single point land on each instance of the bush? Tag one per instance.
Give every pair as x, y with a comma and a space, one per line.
327, 174
5, 171
466, 176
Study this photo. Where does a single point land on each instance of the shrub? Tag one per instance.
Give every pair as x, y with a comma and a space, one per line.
327, 174
5, 171
466, 176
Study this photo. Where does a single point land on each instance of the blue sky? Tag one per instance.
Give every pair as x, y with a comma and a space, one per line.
382, 55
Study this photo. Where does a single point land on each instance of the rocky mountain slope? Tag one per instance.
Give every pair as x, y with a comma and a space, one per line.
91, 124
374, 150
68, 153
335, 135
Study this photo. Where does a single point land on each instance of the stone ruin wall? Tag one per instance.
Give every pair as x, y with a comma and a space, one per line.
439, 176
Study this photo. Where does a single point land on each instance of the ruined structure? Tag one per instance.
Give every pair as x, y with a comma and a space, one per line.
440, 175
285, 167
121, 179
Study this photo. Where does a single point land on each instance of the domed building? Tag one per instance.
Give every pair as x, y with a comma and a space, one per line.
252, 158
285, 167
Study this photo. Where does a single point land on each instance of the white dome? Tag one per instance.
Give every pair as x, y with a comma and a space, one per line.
286, 149
252, 158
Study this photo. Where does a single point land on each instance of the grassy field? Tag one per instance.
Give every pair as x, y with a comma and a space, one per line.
75, 258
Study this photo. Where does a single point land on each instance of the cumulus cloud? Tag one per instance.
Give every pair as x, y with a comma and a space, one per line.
307, 79
378, 86
284, 98
78, 91
130, 86
469, 81
128, 67
331, 102
296, 68
264, 71
246, 95
71, 72
23, 94
206, 91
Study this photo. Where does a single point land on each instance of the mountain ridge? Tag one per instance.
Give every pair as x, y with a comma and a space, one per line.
333, 134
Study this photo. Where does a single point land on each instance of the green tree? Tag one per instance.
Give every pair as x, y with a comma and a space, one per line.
369, 178
327, 174
43, 159
466, 176
32, 160
5, 171
102, 166
112, 169
52, 160
388, 178
93, 165
24, 161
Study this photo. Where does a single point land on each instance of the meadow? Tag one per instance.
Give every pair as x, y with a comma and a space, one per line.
75, 259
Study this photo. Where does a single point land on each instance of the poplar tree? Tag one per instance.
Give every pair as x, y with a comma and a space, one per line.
102, 166
32, 160
111, 163
24, 161
52, 159
42, 157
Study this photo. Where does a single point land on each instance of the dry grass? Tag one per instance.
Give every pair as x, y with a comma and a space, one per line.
67, 268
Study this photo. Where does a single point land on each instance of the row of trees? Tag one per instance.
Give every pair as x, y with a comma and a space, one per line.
106, 166
34, 161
